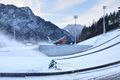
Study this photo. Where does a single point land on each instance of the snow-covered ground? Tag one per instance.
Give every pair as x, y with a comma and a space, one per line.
23, 64
75, 76
15, 59
66, 50
9, 47
103, 41
100, 38
62, 50
96, 56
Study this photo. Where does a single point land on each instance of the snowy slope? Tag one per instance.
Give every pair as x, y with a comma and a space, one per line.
15, 56
9, 47
71, 50
94, 75
100, 38
104, 41
100, 54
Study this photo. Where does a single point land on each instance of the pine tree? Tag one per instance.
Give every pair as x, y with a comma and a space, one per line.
111, 22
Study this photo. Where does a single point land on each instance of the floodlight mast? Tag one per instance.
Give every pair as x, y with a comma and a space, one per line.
75, 17
14, 33
104, 29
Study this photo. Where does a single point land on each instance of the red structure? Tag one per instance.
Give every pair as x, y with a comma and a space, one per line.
61, 40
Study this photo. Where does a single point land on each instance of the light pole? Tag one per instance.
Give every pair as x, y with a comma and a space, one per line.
104, 30
119, 16
14, 32
75, 17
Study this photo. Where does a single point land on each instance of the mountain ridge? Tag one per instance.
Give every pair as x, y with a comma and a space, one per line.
74, 29
29, 26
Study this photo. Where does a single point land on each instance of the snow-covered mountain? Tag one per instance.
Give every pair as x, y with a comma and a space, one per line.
27, 25
74, 30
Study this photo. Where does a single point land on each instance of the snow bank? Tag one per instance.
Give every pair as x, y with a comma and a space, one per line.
17, 57
100, 38
9, 47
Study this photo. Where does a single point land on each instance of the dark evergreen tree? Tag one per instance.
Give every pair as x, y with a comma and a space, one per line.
111, 22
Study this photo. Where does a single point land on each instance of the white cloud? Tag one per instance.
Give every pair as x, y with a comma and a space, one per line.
63, 4
93, 14
35, 5
51, 15
18, 3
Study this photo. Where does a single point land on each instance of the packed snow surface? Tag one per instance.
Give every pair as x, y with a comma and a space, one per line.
17, 57
62, 50
20, 58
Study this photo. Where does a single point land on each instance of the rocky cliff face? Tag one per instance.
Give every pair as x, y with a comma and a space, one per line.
28, 26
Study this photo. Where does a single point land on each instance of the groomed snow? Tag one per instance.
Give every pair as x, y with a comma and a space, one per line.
39, 62
75, 76
62, 50
18, 57
103, 39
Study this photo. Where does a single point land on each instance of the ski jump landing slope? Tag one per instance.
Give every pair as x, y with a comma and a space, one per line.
102, 59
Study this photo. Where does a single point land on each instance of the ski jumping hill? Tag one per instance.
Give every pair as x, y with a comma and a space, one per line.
99, 61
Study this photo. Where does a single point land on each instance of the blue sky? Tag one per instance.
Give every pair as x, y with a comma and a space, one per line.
61, 12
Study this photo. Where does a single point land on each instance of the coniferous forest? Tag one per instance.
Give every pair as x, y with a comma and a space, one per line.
111, 22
